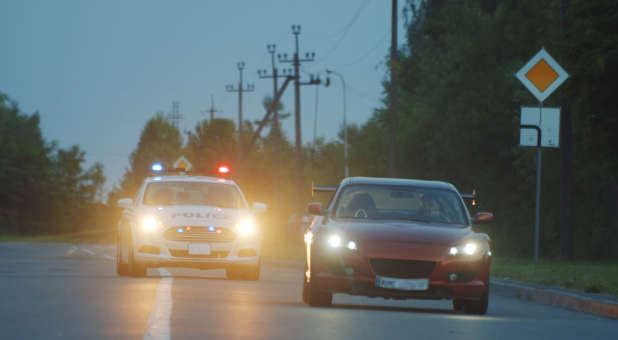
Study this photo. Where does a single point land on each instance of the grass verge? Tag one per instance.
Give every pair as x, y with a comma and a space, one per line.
587, 276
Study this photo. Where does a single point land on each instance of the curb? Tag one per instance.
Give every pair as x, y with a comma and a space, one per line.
597, 304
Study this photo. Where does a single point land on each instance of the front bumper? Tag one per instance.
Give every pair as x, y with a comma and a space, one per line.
156, 251
353, 274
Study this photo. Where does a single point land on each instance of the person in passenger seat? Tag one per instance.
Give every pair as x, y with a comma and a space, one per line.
361, 206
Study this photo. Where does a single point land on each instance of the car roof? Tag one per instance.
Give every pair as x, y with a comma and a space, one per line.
399, 182
188, 178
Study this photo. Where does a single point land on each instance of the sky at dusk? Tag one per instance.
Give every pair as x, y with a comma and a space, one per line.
96, 71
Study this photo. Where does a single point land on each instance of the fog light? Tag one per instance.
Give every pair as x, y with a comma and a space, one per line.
352, 245
452, 277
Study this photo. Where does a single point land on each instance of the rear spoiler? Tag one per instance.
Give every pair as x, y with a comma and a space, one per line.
471, 196
315, 189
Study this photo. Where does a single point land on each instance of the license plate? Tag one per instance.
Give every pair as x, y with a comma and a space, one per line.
199, 249
402, 284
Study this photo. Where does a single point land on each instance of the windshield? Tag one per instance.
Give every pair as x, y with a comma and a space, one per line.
400, 203
193, 193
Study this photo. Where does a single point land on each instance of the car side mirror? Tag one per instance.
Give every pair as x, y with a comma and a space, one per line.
315, 208
483, 217
259, 207
125, 203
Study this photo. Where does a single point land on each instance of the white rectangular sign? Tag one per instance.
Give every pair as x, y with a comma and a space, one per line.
549, 122
199, 249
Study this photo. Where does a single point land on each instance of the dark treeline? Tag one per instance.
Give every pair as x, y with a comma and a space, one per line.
43, 189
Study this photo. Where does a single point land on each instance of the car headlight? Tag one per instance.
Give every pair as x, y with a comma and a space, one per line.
336, 241
468, 248
150, 223
245, 227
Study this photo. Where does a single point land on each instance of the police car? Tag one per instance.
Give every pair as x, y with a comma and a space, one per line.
184, 219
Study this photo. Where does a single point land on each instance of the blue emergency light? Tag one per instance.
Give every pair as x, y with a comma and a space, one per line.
157, 167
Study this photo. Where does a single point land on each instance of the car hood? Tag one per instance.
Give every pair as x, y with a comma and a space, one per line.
194, 215
404, 232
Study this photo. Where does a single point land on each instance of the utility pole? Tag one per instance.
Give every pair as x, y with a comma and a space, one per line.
392, 129
566, 159
263, 74
296, 60
240, 89
346, 166
175, 116
212, 109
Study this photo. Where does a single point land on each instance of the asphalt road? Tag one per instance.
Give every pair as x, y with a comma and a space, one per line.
51, 290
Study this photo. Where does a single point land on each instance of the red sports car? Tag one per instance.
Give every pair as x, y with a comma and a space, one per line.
399, 239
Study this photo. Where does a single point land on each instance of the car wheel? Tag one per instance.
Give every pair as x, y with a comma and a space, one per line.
313, 296
478, 307
122, 269
136, 269
305, 286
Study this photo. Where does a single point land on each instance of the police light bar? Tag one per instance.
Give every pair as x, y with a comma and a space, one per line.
223, 169
156, 167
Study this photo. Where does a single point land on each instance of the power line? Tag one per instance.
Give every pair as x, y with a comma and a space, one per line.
345, 28
345, 32
379, 43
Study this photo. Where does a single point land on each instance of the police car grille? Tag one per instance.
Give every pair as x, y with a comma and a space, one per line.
405, 269
198, 234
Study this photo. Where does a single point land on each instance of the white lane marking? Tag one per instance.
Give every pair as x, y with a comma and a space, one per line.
108, 257
98, 247
164, 272
87, 251
71, 250
159, 321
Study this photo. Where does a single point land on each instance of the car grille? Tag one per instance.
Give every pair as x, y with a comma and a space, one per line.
213, 255
405, 269
199, 234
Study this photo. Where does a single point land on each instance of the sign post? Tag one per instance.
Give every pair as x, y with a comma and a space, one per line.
541, 75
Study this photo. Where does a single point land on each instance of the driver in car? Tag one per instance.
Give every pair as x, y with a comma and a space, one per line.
362, 206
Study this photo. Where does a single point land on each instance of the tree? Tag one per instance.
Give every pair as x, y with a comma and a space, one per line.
44, 188
212, 143
160, 141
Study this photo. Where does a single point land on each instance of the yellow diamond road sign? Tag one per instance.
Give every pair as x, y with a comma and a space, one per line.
542, 75
182, 163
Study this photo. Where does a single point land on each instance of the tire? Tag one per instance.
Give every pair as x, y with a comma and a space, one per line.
136, 269
478, 307
122, 269
243, 272
305, 286
312, 295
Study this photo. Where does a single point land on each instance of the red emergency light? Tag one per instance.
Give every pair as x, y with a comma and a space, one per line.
223, 169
